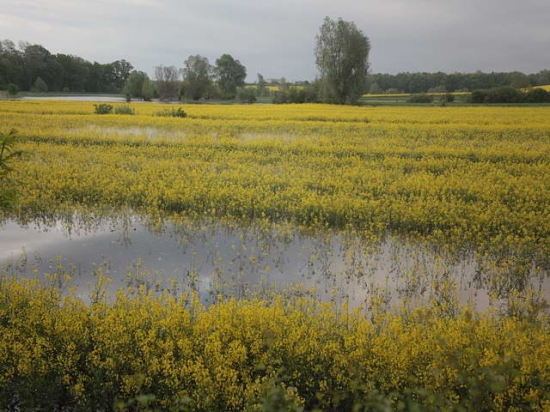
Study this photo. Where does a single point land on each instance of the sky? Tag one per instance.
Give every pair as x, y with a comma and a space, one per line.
277, 37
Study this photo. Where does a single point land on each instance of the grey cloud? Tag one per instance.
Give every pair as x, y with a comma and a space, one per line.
277, 38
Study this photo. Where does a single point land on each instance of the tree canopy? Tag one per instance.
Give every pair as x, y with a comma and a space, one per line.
22, 65
230, 74
197, 77
341, 55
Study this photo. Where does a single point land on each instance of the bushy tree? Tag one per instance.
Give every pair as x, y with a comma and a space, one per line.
261, 88
40, 85
167, 81
230, 74
197, 78
421, 98
246, 95
12, 89
342, 52
537, 96
497, 95
138, 86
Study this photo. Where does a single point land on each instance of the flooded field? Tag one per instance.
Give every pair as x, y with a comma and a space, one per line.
219, 259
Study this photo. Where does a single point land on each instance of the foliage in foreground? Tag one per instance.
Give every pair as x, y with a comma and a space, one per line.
7, 155
286, 352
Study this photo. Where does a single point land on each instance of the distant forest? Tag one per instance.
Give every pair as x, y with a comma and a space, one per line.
32, 67
23, 66
453, 82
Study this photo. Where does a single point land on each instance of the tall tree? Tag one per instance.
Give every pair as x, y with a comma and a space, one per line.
167, 81
138, 86
230, 74
197, 78
341, 54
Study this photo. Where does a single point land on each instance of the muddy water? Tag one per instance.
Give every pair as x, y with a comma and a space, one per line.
236, 261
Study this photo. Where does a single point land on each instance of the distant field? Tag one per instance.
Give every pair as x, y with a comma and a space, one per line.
402, 98
545, 87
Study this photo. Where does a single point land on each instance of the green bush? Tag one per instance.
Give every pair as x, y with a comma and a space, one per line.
497, 95
40, 86
537, 96
246, 95
125, 109
478, 96
12, 89
103, 108
306, 94
179, 112
421, 98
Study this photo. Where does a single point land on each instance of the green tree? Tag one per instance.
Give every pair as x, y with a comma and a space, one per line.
230, 74
167, 81
246, 95
341, 55
138, 86
12, 89
261, 87
197, 78
519, 80
40, 85
375, 88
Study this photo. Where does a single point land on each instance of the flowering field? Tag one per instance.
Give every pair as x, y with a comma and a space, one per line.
462, 183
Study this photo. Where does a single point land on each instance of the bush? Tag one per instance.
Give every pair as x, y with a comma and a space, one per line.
125, 109
246, 95
504, 95
537, 96
478, 96
393, 90
179, 112
103, 108
40, 85
306, 94
421, 98
12, 89
497, 95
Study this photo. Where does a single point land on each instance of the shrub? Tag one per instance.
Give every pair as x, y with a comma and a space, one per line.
40, 85
12, 89
246, 95
306, 94
504, 95
179, 112
421, 98
497, 95
125, 109
537, 96
393, 90
478, 96
103, 108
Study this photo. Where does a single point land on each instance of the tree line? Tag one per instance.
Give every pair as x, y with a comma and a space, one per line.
198, 79
341, 55
32, 67
453, 82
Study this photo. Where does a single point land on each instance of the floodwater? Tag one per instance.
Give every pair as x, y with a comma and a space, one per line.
78, 98
217, 258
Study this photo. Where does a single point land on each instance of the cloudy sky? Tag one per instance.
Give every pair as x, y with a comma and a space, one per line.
276, 37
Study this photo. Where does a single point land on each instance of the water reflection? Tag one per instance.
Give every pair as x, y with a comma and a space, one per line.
78, 98
224, 259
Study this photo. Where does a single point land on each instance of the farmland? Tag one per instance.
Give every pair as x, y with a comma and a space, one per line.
423, 207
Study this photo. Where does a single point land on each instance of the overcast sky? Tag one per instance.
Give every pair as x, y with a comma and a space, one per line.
276, 37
